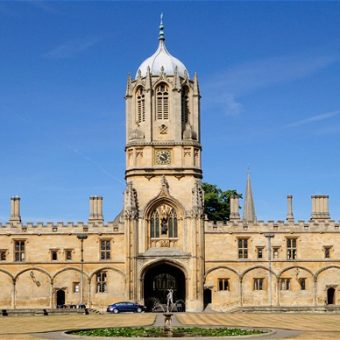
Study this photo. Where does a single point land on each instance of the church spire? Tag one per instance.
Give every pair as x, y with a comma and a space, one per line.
249, 207
161, 29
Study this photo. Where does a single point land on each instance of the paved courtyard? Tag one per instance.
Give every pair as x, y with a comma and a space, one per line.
306, 326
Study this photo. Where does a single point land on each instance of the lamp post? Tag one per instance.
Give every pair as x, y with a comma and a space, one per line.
269, 237
81, 237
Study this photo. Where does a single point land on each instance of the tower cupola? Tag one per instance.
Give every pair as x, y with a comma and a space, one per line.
162, 60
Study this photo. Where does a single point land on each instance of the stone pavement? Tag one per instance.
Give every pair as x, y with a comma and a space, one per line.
291, 326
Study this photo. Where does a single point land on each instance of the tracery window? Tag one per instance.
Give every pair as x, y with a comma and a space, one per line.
242, 248
185, 105
140, 105
19, 251
101, 280
105, 250
163, 222
291, 248
162, 102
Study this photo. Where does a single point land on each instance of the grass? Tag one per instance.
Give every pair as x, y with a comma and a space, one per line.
159, 332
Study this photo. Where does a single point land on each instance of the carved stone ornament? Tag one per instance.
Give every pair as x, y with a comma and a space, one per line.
163, 129
136, 134
187, 133
131, 202
164, 187
198, 200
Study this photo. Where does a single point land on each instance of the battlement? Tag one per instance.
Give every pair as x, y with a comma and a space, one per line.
273, 226
61, 227
95, 223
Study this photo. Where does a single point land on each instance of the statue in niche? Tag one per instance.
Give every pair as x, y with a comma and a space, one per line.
164, 226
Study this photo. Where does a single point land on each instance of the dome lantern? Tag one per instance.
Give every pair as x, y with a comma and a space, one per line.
162, 60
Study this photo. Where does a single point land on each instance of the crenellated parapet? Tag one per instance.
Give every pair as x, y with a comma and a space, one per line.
273, 226
95, 223
60, 227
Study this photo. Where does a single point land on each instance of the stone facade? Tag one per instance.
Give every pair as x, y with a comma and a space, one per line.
161, 240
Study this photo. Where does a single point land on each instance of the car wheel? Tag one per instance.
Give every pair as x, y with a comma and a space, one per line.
116, 311
139, 310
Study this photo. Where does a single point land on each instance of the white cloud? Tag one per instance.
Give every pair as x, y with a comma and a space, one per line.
313, 119
71, 48
226, 88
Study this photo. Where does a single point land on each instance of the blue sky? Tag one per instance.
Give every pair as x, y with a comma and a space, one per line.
269, 75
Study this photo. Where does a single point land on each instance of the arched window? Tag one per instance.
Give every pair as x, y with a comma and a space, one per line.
185, 106
163, 222
154, 225
140, 105
172, 223
162, 102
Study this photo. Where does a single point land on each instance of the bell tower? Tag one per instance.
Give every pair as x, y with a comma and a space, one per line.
164, 199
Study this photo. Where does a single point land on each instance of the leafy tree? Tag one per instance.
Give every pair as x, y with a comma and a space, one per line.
217, 202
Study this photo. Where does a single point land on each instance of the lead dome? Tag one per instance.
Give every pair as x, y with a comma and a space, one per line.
162, 60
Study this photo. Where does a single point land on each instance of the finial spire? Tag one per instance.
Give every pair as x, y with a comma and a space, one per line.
161, 29
249, 215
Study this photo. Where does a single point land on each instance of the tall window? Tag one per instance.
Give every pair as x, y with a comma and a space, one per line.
162, 102
54, 255
285, 284
68, 254
140, 105
258, 284
242, 248
327, 251
276, 251
76, 287
101, 279
291, 248
185, 105
105, 249
163, 222
223, 284
302, 282
3, 255
19, 251
259, 252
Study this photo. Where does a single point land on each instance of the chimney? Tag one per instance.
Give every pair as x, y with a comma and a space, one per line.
320, 207
234, 208
290, 215
15, 210
96, 209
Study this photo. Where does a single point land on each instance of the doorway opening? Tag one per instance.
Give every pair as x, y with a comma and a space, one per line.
60, 297
206, 297
157, 282
331, 296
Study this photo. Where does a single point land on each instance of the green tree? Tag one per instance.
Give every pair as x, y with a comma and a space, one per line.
217, 202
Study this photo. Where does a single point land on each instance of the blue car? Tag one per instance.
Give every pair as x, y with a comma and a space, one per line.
125, 307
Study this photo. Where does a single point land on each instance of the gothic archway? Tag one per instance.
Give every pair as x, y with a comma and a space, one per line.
158, 279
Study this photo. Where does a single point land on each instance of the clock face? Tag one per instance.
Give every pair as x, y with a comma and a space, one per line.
163, 157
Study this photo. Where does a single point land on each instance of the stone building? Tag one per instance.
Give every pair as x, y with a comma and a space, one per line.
161, 240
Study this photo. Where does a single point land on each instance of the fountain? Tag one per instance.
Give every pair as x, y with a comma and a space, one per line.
168, 315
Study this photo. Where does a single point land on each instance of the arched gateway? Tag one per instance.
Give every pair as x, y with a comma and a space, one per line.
157, 279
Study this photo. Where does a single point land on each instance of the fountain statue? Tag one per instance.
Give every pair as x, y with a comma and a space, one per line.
168, 314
